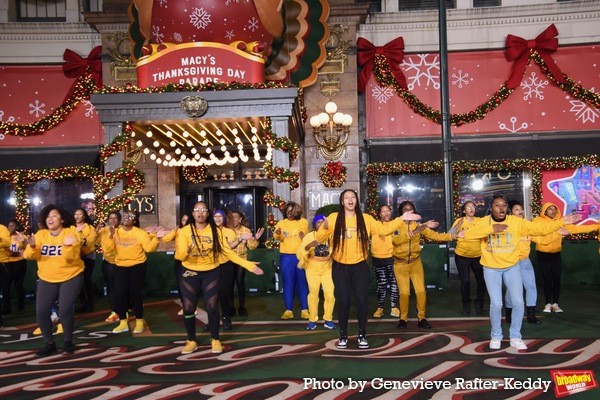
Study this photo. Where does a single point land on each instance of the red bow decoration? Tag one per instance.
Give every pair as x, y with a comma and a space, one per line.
394, 51
75, 66
519, 49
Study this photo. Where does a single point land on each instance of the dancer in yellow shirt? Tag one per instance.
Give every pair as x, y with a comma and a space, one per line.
200, 247
315, 258
290, 231
57, 249
350, 230
500, 236
83, 225
108, 262
15, 268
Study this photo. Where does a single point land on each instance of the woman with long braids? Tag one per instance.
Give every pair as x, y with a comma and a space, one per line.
351, 230
199, 247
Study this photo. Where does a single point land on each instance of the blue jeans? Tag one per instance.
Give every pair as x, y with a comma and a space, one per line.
514, 284
528, 276
294, 281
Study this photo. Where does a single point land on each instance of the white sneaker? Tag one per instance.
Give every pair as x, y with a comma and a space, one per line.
495, 344
54, 317
548, 308
556, 308
518, 344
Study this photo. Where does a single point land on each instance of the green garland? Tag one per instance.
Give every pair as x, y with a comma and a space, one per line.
384, 77
535, 166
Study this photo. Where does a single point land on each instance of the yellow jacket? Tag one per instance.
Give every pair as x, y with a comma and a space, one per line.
56, 262
290, 234
503, 250
307, 258
407, 248
4, 244
351, 251
130, 247
464, 247
552, 243
201, 259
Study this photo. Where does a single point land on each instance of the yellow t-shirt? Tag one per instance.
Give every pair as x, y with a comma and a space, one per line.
290, 234
130, 247
4, 244
56, 262
16, 249
464, 247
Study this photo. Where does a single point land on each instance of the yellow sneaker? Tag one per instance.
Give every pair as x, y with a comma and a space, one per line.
139, 326
287, 315
378, 313
395, 312
304, 314
190, 347
113, 317
122, 327
59, 328
217, 348
180, 312
38, 331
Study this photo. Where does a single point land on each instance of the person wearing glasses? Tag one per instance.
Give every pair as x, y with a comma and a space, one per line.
130, 245
200, 245
468, 255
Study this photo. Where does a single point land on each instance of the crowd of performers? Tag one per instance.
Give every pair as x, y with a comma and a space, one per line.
211, 249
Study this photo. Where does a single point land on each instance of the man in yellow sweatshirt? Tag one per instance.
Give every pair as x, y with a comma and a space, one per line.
500, 236
548, 250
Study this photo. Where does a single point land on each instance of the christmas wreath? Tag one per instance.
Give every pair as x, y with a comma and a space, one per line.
195, 174
333, 174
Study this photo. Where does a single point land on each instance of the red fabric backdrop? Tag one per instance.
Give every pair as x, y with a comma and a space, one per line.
29, 93
538, 105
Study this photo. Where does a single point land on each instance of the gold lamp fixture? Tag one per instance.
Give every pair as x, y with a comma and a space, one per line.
331, 129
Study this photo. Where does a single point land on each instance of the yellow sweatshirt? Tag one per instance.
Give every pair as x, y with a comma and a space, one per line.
503, 250
307, 258
201, 259
103, 235
464, 247
381, 246
351, 251
552, 243
56, 262
407, 248
228, 235
130, 247
16, 249
89, 236
290, 234
4, 244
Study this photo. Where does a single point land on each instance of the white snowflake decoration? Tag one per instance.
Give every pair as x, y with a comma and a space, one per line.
200, 18
37, 108
583, 112
533, 87
156, 35
253, 24
382, 94
513, 128
229, 35
9, 119
228, 2
460, 79
177, 36
428, 70
162, 3
89, 108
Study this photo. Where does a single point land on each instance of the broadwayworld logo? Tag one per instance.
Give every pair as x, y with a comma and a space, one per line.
571, 382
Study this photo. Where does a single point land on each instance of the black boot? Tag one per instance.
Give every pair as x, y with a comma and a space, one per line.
508, 314
531, 316
466, 309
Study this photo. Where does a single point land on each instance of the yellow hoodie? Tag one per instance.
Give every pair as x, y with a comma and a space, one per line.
407, 247
552, 243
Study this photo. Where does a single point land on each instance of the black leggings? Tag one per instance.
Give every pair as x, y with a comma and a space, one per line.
239, 274
128, 284
192, 283
46, 295
346, 278
13, 273
108, 272
550, 265
464, 266
226, 283
86, 297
